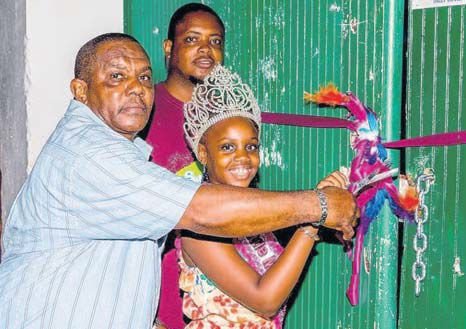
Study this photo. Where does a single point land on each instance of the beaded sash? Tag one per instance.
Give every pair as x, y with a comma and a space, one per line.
261, 252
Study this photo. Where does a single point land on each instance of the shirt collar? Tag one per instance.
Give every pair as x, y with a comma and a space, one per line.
79, 109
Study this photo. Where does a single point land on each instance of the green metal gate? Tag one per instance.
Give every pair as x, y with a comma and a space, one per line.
436, 103
283, 48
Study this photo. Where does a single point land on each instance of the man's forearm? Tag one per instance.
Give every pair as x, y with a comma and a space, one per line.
233, 212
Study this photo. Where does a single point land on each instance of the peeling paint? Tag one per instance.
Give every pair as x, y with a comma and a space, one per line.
258, 21
366, 261
457, 267
271, 156
354, 25
268, 68
274, 41
266, 102
278, 17
371, 75
350, 24
344, 31
334, 7
385, 242
420, 163
155, 30
316, 52
340, 325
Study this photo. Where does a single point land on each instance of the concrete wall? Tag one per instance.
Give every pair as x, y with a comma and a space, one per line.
13, 145
56, 29
39, 40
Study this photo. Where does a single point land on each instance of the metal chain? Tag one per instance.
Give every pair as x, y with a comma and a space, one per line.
421, 215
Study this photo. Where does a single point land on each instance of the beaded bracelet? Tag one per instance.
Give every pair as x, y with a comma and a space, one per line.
323, 208
313, 236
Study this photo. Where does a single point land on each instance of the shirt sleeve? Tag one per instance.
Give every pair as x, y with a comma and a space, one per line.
117, 194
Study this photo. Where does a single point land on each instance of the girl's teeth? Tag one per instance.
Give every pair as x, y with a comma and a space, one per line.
240, 172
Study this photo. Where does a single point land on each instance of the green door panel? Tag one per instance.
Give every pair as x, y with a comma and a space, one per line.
435, 104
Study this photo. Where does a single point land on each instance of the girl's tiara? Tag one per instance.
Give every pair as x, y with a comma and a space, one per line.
221, 95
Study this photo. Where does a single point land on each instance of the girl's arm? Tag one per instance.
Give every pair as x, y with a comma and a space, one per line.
231, 274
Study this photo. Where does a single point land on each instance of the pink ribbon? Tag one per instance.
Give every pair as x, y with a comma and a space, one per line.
444, 139
299, 120
314, 121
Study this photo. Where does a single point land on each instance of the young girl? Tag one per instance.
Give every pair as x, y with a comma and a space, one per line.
239, 283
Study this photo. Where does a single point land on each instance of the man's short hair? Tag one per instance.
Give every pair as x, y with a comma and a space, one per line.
85, 59
179, 15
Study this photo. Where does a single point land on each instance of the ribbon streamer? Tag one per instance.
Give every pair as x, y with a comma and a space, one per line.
315, 121
443, 139
298, 120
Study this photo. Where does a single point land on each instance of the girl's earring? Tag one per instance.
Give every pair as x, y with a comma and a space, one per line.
205, 175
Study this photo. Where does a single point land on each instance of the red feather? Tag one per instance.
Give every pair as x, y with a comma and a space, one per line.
328, 95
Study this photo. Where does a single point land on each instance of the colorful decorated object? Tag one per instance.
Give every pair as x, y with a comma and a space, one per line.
370, 173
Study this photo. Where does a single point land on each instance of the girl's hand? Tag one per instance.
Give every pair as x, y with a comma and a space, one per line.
336, 179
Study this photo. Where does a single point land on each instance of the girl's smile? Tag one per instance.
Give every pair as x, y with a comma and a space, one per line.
230, 152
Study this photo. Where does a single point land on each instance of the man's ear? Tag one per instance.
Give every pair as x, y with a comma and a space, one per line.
167, 48
202, 154
79, 90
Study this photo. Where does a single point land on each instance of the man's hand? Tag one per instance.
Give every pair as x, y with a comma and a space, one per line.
342, 211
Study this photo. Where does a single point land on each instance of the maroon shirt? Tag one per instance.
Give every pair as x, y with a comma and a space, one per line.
166, 134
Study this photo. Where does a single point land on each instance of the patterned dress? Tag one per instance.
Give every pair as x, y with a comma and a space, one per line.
208, 307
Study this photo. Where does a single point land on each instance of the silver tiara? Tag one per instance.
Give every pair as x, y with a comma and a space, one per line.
221, 95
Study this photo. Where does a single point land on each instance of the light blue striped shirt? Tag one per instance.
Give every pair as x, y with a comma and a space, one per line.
83, 240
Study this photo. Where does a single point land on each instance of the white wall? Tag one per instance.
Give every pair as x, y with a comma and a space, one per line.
55, 30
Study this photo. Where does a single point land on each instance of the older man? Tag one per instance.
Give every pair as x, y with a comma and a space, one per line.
83, 239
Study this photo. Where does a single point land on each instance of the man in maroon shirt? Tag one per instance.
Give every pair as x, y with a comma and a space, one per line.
193, 46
